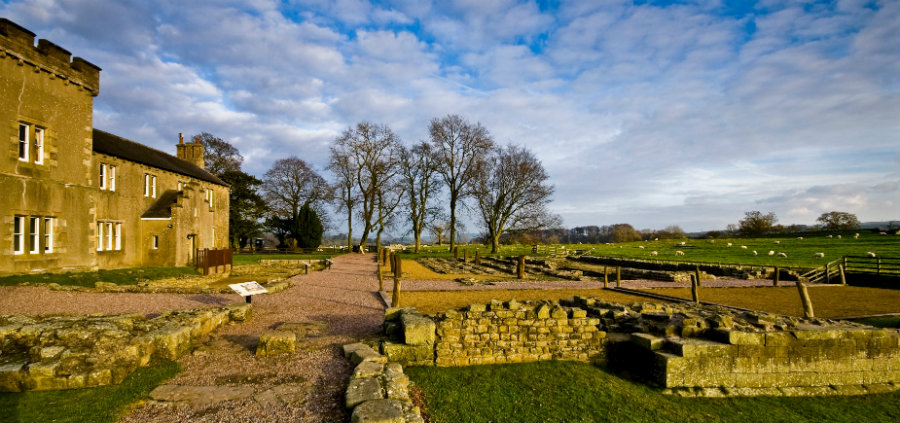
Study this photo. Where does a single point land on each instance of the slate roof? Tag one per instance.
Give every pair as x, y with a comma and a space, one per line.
162, 208
109, 144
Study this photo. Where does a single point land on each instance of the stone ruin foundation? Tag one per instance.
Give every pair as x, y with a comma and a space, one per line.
69, 352
685, 349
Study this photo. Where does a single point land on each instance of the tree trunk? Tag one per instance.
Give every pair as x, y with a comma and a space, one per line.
364, 238
453, 198
418, 240
495, 244
350, 229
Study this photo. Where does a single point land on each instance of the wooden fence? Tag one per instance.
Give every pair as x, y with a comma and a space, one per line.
888, 266
213, 261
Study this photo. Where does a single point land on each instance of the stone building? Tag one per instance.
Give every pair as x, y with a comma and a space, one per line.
75, 198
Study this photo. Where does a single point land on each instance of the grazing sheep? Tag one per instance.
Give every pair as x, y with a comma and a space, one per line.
855, 236
771, 253
755, 253
819, 255
679, 253
870, 254
800, 238
743, 247
839, 237
641, 247
654, 253
729, 244
778, 242
829, 236
682, 243
782, 255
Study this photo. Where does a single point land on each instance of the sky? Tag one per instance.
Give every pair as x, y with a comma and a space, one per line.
652, 113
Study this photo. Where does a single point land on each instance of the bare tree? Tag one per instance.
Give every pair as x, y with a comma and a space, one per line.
388, 198
220, 156
418, 171
460, 149
373, 153
512, 193
290, 184
345, 171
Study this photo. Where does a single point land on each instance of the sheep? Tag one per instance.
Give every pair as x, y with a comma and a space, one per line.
819, 255
839, 237
641, 247
682, 243
654, 253
743, 247
829, 236
882, 233
755, 253
800, 238
870, 254
679, 253
778, 242
855, 236
729, 244
782, 255
771, 253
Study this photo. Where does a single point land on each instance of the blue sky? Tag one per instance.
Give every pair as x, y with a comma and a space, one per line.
653, 113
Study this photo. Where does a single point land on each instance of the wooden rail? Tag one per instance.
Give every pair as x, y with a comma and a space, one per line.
213, 261
889, 266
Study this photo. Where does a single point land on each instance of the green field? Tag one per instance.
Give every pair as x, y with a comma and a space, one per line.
800, 252
577, 392
117, 276
241, 259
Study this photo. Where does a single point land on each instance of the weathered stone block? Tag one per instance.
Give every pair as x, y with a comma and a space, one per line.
171, 342
367, 369
366, 353
12, 375
277, 342
362, 390
408, 354
379, 411
647, 341
735, 337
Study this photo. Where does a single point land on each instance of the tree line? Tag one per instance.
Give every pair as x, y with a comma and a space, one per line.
384, 184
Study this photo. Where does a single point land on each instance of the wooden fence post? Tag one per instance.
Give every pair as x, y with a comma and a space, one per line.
827, 274
843, 276
395, 298
456, 253
380, 279
606, 276
695, 288
804, 297
520, 268
466, 256
697, 271
618, 276
477, 257
775, 278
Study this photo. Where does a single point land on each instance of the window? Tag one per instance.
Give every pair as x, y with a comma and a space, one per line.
34, 235
48, 234
155, 242
211, 198
39, 145
180, 186
112, 178
109, 236
102, 176
19, 235
23, 142
149, 185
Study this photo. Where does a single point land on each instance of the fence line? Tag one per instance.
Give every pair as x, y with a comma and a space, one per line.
210, 261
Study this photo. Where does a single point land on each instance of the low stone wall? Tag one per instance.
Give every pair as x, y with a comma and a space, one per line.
68, 352
378, 391
686, 349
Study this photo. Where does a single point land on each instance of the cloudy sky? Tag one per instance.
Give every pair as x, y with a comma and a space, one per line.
653, 113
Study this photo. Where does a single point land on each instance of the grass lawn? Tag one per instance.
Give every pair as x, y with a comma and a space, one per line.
118, 276
91, 405
579, 392
430, 302
240, 259
828, 301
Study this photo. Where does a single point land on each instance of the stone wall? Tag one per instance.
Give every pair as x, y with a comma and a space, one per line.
685, 349
68, 352
378, 391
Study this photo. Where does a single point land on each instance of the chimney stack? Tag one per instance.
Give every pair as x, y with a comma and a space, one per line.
191, 152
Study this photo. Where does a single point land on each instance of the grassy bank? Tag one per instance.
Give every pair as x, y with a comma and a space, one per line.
240, 259
116, 276
104, 404
579, 392
430, 302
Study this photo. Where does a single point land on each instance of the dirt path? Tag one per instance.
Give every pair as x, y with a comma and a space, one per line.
338, 306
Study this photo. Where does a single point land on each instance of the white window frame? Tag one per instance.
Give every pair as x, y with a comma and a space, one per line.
49, 223
180, 186
34, 235
118, 236
112, 178
211, 198
109, 236
24, 147
149, 185
100, 236
18, 235
38, 145
103, 173
155, 243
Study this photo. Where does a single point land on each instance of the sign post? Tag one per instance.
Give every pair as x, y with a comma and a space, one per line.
248, 289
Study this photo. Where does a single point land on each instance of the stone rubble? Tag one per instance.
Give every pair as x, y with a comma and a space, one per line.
378, 391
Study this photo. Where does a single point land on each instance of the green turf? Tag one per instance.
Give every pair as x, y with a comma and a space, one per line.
241, 259
90, 405
579, 392
118, 276
881, 321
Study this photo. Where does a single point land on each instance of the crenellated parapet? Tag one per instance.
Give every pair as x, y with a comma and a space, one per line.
17, 43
